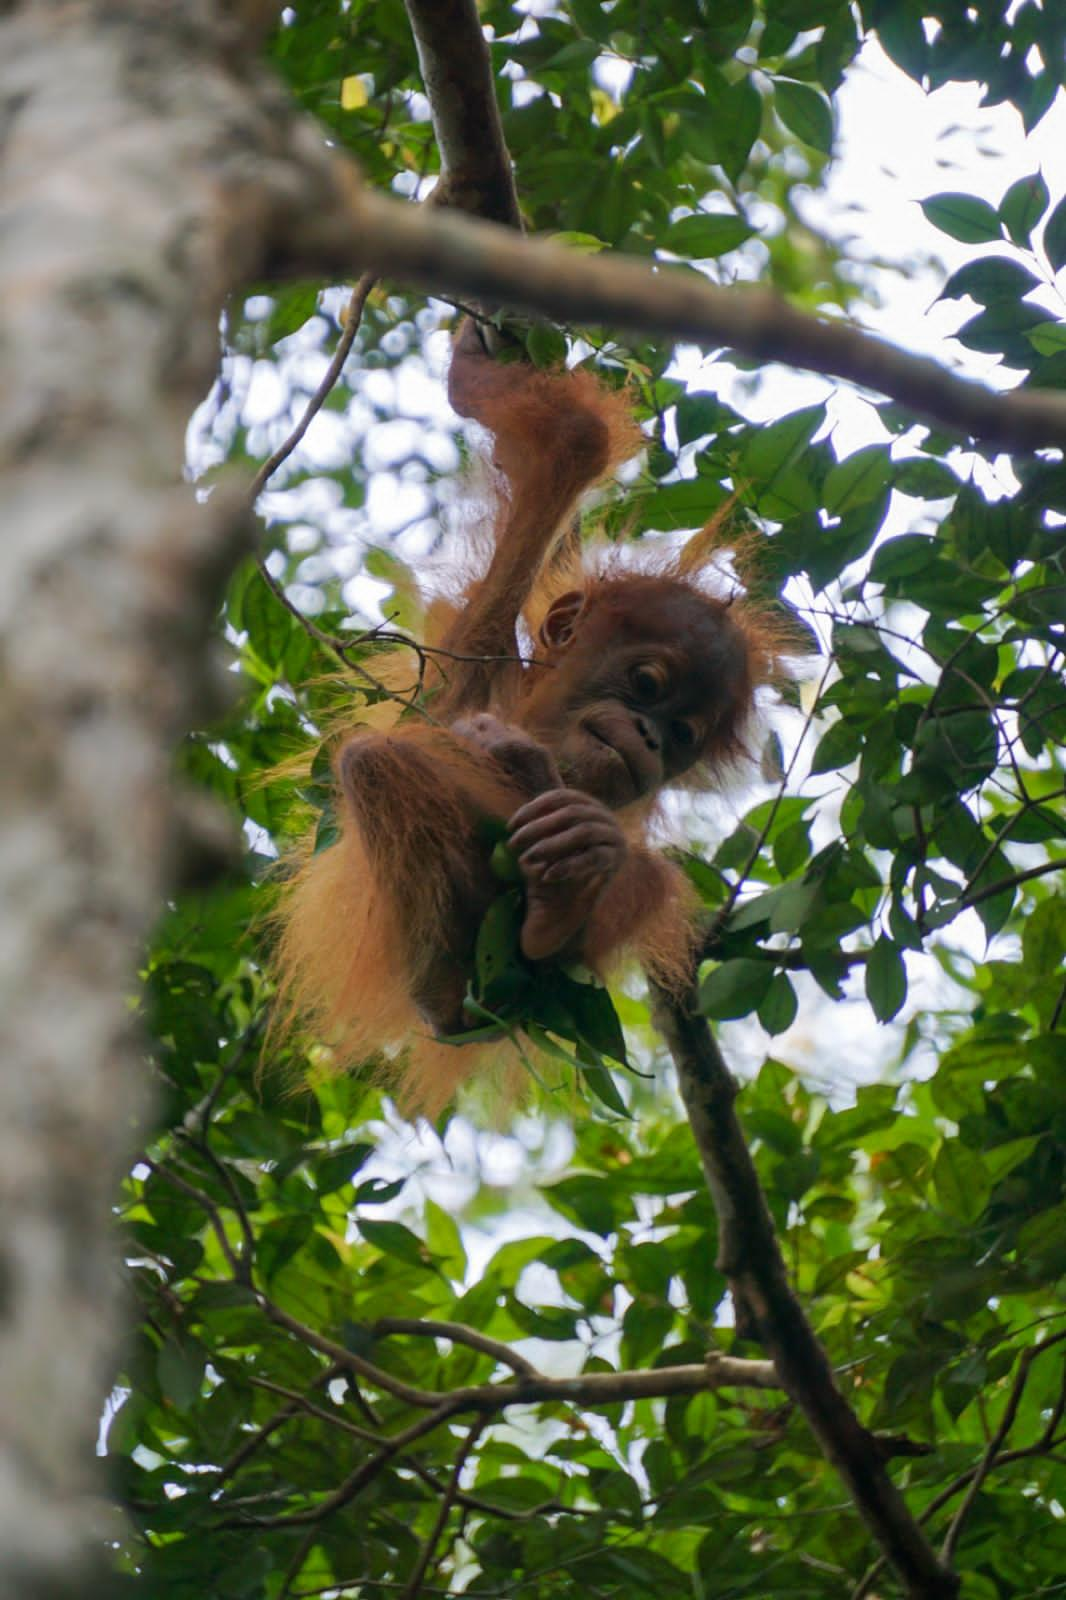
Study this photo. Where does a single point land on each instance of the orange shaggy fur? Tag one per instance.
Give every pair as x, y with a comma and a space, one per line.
348, 913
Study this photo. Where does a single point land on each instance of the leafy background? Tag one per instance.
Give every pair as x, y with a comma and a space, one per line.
904, 828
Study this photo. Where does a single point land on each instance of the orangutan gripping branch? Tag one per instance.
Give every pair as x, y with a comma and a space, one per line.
634, 680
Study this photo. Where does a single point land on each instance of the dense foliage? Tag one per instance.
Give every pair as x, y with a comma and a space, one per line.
902, 832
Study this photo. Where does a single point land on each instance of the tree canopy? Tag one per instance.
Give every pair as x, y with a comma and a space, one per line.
374, 1359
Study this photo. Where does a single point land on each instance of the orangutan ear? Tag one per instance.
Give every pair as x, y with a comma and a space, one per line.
561, 622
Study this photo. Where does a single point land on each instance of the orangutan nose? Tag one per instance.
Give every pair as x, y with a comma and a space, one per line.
648, 734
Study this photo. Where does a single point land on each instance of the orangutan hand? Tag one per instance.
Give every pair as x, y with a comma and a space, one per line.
569, 847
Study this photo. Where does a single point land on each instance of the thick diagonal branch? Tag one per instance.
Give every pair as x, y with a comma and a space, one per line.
457, 74
445, 253
749, 1255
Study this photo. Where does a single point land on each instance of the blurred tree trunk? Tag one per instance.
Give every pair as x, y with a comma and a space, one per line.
128, 214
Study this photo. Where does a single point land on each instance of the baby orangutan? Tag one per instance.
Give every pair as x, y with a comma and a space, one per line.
635, 680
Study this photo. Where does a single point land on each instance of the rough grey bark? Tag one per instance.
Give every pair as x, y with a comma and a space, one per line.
141, 175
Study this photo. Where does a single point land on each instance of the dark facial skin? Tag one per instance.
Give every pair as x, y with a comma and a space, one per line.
636, 689
633, 691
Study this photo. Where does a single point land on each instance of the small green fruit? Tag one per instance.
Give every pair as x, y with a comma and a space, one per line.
504, 864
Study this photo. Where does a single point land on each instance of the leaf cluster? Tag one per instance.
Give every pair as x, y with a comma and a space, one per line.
269, 1431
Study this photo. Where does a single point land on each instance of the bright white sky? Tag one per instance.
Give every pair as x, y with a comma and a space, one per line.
896, 147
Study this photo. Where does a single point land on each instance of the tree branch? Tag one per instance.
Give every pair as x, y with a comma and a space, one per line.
447, 1501
749, 1254
445, 253
475, 164
353, 316
296, 1403
458, 1333
591, 1388
974, 897
236, 1263
998, 1439
1046, 1444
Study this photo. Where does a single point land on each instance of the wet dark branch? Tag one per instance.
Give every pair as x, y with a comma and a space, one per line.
457, 74
462, 256
749, 1255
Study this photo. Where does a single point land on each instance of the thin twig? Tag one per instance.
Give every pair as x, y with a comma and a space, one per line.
301, 1403
225, 1177
236, 1265
353, 316
1006, 1422
1047, 1443
251, 1445
458, 1333
1029, 803
447, 1501
1001, 885
590, 1388
355, 1481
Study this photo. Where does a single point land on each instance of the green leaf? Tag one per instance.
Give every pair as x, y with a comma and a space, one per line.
710, 233
886, 979
1044, 938
837, 748
444, 1240
961, 1181
701, 414
1003, 1158
792, 847
736, 988
393, 1239
782, 909
857, 479
1055, 237
598, 1080
594, 1015
1049, 339
779, 1005
180, 1369
545, 346
279, 1242
963, 217
590, 1201
327, 830
585, 244
502, 975
292, 308
503, 863
592, 19
267, 622
1022, 207
805, 112
404, 606
1004, 329
777, 461
579, 54
735, 116
902, 557
925, 480
990, 279
333, 1171
515, 1494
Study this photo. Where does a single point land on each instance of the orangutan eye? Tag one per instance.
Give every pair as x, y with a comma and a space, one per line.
684, 735
647, 680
